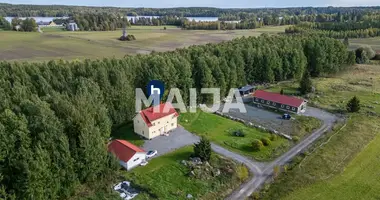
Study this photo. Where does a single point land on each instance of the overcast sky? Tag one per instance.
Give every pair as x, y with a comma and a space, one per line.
201, 3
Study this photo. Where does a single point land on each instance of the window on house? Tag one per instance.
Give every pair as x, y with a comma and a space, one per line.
287, 107
262, 101
282, 106
136, 159
143, 132
158, 122
268, 102
293, 108
172, 124
154, 124
274, 103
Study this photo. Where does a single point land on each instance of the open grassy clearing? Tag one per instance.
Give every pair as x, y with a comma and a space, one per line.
126, 132
373, 42
80, 45
220, 130
166, 177
323, 174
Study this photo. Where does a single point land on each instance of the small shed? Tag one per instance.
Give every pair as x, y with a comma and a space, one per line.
246, 90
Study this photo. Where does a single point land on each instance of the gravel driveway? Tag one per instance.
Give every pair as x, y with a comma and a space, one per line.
163, 144
264, 118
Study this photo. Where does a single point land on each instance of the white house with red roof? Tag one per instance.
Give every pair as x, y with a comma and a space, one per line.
155, 121
278, 101
128, 154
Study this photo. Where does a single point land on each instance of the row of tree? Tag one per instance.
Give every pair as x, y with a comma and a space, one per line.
362, 33
4, 24
341, 26
56, 117
27, 25
98, 22
61, 10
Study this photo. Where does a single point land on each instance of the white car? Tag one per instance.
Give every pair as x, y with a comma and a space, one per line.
143, 163
150, 154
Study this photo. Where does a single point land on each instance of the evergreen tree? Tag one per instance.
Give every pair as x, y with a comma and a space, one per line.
305, 84
282, 91
353, 105
203, 149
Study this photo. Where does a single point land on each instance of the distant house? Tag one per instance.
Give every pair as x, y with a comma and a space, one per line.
246, 90
17, 27
72, 26
45, 24
151, 124
278, 101
128, 154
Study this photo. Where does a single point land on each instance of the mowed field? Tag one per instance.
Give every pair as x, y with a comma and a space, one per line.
373, 42
55, 44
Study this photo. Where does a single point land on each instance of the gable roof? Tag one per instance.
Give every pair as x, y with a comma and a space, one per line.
123, 150
149, 115
278, 98
246, 88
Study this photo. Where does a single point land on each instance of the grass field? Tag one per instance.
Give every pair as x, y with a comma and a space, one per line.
55, 44
219, 130
166, 178
342, 165
373, 42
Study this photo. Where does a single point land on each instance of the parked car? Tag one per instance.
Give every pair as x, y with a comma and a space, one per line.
286, 116
121, 185
143, 163
165, 134
151, 153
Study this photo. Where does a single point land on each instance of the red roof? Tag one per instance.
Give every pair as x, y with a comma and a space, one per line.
150, 115
123, 150
278, 98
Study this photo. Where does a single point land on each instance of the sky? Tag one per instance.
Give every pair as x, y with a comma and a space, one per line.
201, 3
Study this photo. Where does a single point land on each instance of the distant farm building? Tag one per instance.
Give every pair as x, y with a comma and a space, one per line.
278, 101
72, 26
46, 24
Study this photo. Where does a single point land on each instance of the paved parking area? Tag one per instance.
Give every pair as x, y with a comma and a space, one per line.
178, 138
263, 117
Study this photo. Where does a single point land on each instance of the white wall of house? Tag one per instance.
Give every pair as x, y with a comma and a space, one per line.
134, 161
140, 127
162, 125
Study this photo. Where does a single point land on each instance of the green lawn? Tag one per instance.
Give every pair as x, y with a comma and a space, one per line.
166, 178
344, 167
67, 45
219, 130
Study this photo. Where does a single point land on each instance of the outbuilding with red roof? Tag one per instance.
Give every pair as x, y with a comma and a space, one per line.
278, 101
155, 120
128, 154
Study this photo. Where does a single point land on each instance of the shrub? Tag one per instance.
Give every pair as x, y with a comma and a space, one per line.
257, 145
282, 91
353, 105
238, 133
266, 141
164, 27
296, 138
242, 172
202, 149
273, 137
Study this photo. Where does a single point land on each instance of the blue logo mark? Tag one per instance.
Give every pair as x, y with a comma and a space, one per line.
156, 89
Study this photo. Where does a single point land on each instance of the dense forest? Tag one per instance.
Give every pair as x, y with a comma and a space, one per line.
56, 117
229, 13
366, 26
